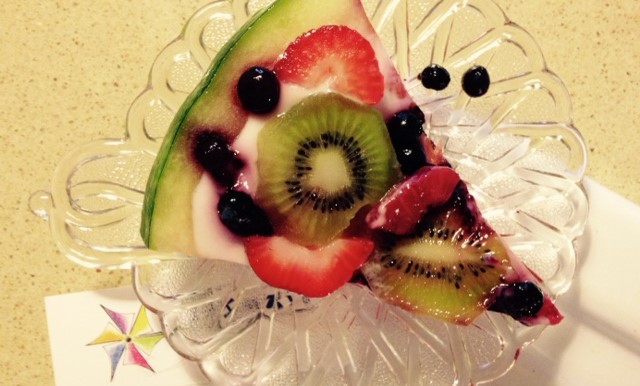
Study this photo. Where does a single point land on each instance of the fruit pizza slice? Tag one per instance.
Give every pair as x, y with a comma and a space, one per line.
301, 154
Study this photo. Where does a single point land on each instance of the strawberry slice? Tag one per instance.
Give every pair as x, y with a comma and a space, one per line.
336, 54
313, 272
404, 204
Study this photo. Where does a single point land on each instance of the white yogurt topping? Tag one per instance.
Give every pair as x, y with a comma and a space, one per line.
213, 240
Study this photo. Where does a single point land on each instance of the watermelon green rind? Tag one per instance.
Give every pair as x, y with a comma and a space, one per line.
167, 221
170, 139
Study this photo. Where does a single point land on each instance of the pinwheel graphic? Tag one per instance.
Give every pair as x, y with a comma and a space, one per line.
121, 338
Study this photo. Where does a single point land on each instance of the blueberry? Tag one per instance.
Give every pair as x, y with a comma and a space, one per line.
519, 300
406, 124
242, 216
405, 129
435, 77
213, 153
475, 82
259, 90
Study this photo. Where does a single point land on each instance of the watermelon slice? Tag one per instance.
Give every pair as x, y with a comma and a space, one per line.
311, 78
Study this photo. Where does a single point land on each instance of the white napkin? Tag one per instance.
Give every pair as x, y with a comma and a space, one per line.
598, 343
88, 334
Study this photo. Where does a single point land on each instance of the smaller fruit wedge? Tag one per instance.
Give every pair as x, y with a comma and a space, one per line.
313, 272
453, 266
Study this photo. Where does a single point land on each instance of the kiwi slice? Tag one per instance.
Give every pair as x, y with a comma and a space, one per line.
320, 163
447, 268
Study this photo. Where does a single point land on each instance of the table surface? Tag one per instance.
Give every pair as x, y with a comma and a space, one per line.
70, 69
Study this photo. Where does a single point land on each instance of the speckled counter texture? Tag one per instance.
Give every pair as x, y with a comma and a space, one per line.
70, 69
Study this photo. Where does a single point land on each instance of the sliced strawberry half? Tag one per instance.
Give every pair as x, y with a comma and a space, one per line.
313, 272
404, 205
336, 54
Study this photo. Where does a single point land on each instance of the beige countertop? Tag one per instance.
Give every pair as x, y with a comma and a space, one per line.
70, 69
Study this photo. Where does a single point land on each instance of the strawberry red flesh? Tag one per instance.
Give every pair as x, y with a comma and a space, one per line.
313, 272
400, 210
334, 54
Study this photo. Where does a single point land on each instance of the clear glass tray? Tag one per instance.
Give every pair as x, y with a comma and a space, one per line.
516, 147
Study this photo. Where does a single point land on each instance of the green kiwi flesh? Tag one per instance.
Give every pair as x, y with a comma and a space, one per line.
320, 163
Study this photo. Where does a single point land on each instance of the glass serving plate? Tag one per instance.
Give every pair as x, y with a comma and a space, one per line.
515, 146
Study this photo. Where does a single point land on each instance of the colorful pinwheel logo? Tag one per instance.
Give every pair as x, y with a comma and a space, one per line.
121, 338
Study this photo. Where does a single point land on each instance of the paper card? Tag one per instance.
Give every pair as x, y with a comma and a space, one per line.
107, 337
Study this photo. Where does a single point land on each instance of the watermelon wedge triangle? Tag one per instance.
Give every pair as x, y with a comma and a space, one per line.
298, 129
214, 106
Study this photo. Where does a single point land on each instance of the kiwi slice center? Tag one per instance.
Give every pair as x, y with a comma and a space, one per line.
319, 163
329, 172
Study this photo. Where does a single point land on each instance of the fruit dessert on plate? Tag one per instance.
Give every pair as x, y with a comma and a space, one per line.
301, 154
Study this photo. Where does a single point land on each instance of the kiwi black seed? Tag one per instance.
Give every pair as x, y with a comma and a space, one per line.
321, 162
446, 268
